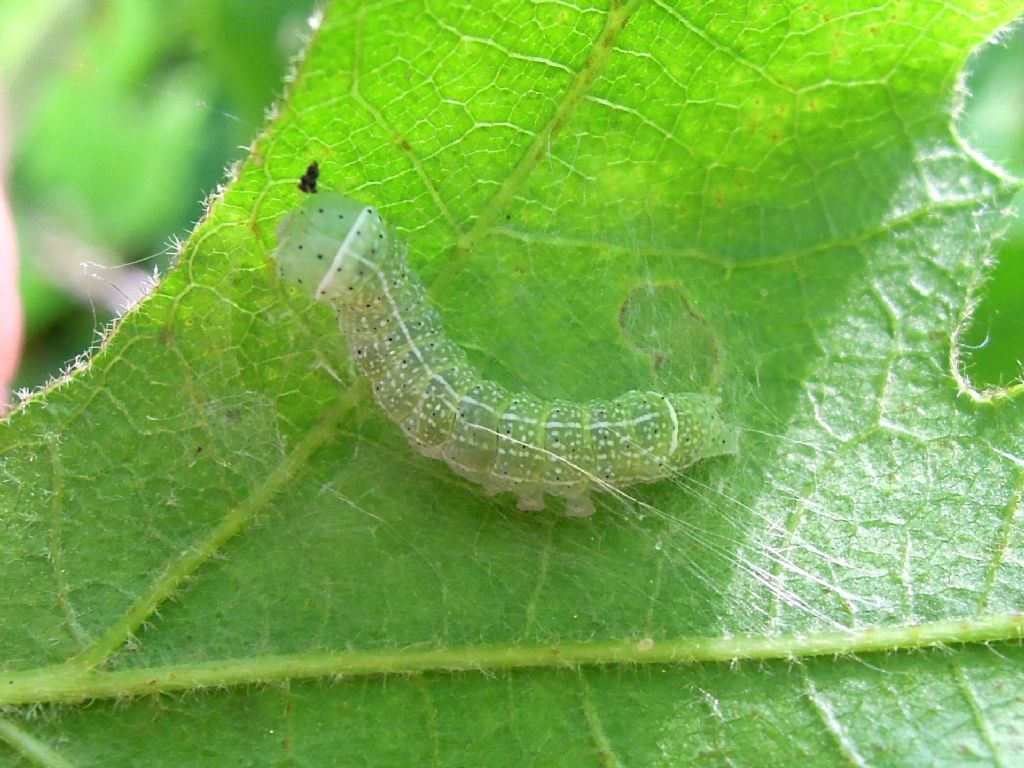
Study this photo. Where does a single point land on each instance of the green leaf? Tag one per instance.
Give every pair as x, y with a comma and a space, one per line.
762, 200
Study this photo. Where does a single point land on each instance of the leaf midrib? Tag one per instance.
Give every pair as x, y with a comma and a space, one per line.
63, 683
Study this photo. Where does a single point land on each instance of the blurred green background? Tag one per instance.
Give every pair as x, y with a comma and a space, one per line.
124, 115
993, 123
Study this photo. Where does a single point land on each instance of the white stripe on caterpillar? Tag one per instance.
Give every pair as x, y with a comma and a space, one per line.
424, 383
345, 249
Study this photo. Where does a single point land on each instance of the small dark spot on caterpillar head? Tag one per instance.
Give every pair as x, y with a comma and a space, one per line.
300, 246
350, 287
298, 280
319, 255
359, 232
338, 269
381, 235
320, 210
199, 449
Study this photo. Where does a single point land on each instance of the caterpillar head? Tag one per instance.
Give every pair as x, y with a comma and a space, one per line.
701, 432
330, 245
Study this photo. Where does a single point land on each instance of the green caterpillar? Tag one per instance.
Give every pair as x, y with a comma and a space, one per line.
342, 252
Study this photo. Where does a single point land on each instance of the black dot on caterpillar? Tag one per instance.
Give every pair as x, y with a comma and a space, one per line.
425, 384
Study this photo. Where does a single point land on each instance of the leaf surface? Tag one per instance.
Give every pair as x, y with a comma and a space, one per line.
766, 201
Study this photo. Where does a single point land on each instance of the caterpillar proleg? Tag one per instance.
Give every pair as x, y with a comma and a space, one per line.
342, 252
